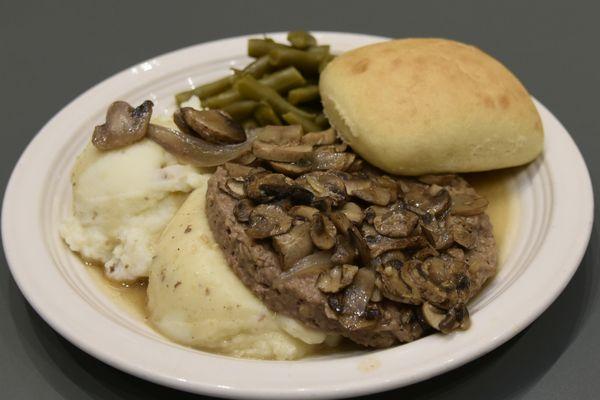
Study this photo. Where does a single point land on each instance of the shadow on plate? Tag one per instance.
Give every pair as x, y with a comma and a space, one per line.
72, 372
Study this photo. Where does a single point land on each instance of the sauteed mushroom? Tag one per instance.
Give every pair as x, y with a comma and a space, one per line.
213, 125
294, 245
322, 231
124, 125
268, 220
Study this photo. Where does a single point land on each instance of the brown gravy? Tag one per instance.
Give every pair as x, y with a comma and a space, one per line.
496, 186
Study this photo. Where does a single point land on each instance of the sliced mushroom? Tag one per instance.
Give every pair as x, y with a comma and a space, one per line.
290, 169
324, 185
354, 184
341, 222
361, 245
434, 200
319, 138
462, 236
214, 126
242, 210
388, 183
337, 278
234, 188
326, 159
378, 244
345, 252
425, 253
280, 134
194, 150
322, 231
397, 222
239, 171
446, 321
294, 245
434, 268
181, 124
281, 153
266, 187
436, 232
394, 288
353, 212
394, 259
456, 253
375, 297
124, 125
268, 220
468, 205
303, 212
374, 211
375, 194
357, 165
356, 298
433, 315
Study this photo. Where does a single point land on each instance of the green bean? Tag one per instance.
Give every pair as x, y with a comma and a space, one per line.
304, 61
222, 99
281, 81
308, 125
322, 49
285, 79
252, 89
260, 47
249, 124
258, 67
326, 60
322, 121
265, 115
301, 40
206, 90
303, 94
241, 110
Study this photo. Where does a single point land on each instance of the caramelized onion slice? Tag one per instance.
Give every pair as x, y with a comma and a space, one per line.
196, 151
313, 264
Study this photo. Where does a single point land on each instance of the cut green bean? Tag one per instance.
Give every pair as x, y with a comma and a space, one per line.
281, 81
326, 60
259, 67
223, 99
322, 49
322, 121
303, 94
250, 88
260, 47
284, 80
304, 61
308, 124
241, 110
265, 115
206, 90
301, 39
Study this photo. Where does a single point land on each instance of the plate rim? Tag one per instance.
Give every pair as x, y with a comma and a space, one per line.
352, 388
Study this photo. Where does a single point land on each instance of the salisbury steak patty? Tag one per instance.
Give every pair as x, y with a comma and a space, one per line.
377, 259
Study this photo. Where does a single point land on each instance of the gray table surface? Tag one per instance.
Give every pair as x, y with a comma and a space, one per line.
52, 51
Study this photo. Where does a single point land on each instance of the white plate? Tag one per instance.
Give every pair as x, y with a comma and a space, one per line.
556, 213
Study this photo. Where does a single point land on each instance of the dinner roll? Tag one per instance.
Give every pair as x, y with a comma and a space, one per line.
418, 106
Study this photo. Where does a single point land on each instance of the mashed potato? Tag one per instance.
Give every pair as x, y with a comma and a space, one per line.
195, 299
122, 200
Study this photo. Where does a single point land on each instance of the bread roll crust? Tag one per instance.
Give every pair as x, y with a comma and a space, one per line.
418, 106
